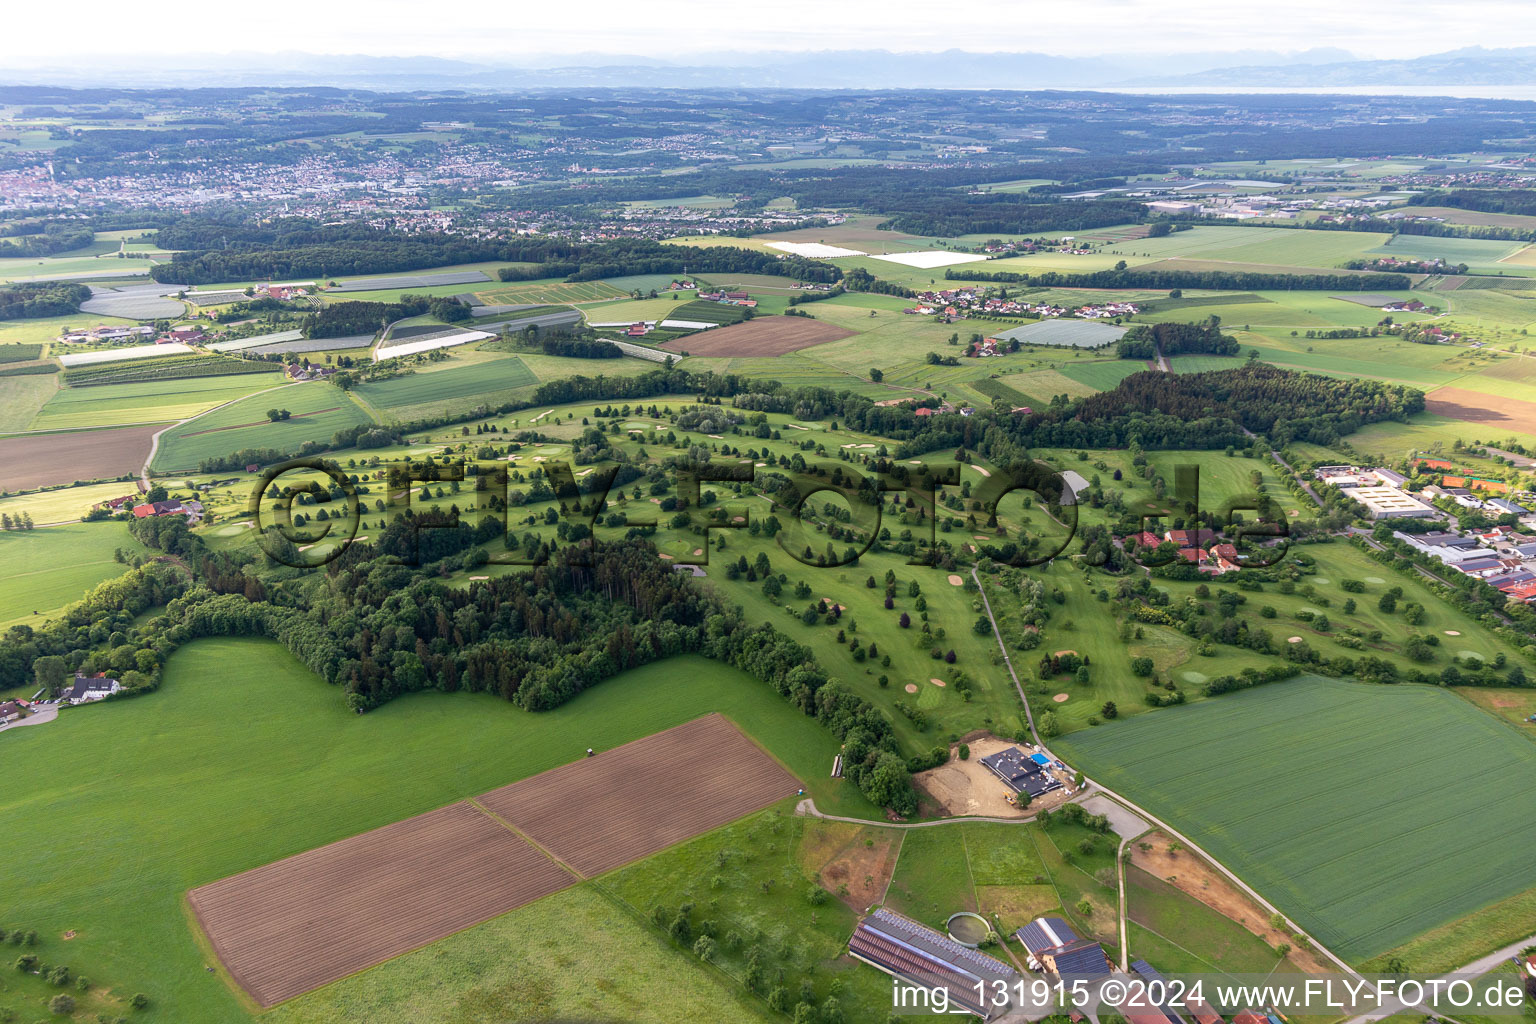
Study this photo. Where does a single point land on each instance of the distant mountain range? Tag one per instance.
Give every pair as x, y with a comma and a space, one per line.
841, 69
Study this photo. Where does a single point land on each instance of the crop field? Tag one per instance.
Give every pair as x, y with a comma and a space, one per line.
196, 825
407, 281
1322, 795
36, 460
1475, 252
550, 292
64, 504
1490, 412
462, 382
133, 302
1202, 364
628, 803
535, 964
19, 353
764, 336
299, 923
44, 570
318, 411
1105, 375
1076, 333
22, 397
153, 401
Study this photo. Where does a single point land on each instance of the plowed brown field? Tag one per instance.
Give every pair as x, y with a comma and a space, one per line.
299, 923
764, 336
634, 800
313, 918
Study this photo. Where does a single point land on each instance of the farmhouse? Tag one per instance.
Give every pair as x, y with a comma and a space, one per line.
89, 688
10, 712
917, 954
1020, 773
1053, 946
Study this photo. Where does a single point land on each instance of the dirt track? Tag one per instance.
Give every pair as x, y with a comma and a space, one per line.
764, 336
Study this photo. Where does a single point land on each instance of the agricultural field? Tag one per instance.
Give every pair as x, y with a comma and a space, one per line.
550, 292
531, 964
196, 825
153, 401
41, 460
64, 504
374, 900
318, 411
42, 571
23, 397
472, 384
1303, 789
763, 336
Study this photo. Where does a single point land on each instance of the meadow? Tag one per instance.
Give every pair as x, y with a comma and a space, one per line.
318, 411
63, 504
44, 570
244, 757
22, 398
155, 401
468, 384
1325, 797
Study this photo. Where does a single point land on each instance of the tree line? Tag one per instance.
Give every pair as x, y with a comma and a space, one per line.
1164, 280
1143, 340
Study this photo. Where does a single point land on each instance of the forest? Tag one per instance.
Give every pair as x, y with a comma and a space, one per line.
41, 299
1144, 340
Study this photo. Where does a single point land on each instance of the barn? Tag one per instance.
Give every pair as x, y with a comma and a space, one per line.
923, 957
1053, 945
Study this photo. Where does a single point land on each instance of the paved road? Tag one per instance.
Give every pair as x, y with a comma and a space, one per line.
1142, 811
1304, 485
42, 717
1482, 965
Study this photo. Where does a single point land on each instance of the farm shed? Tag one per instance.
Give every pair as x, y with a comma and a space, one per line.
917, 954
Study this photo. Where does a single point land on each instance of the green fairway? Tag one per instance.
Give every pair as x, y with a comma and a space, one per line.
243, 757
318, 412
1333, 800
468, 384
45, 569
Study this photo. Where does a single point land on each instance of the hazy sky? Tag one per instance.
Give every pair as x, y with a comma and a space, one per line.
672, 30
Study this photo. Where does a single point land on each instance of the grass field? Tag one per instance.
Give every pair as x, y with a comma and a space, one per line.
1324, 796
42, 571
210, 780
319, 410
550, 291
65, 503
1010, 874
22, 398
1179, 934
574, 955
467, 384
146, 402
746, 879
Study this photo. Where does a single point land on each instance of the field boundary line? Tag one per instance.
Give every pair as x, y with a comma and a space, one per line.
504, 823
